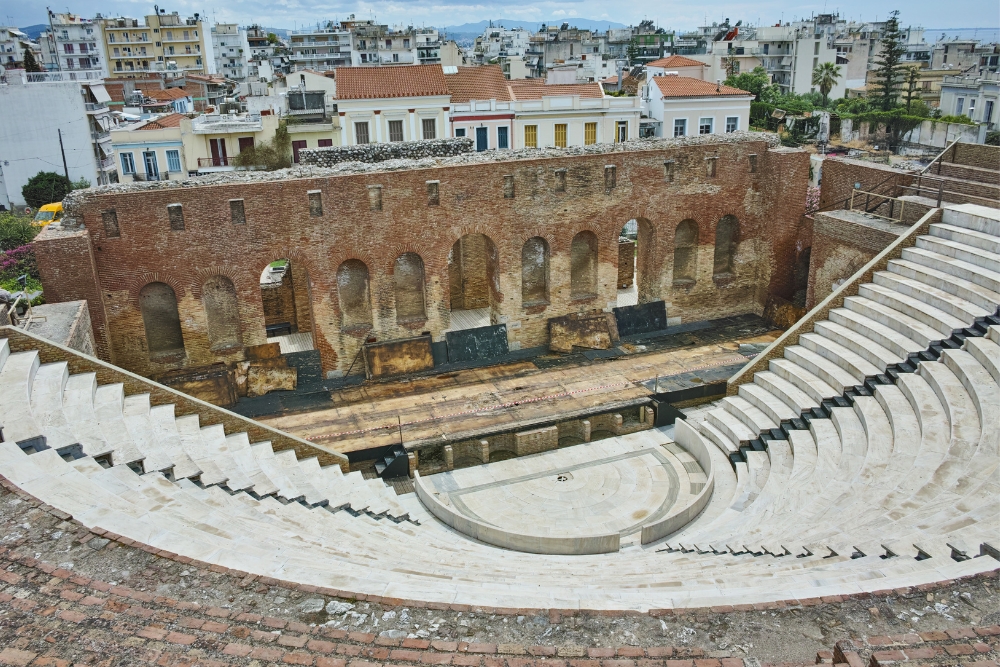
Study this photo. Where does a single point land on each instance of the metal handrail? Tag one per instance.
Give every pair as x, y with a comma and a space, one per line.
939, 158
882, 200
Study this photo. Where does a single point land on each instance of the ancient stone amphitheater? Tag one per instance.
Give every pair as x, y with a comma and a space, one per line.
859, 454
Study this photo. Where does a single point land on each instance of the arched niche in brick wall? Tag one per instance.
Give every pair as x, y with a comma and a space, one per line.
534, 272
473, 273
354, 295
161, 320
583, 265
686, 253
222, 310
727, 238
408, 284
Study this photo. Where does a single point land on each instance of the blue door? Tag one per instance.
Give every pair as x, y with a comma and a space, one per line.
482, 142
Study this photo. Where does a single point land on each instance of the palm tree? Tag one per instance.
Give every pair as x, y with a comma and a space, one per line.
825, 76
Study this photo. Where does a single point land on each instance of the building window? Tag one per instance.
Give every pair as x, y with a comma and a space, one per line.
531, 136
972, 108
296, 147
560, 135
590, 134
959, 105
128, 163
325, 143
622, 134
460, 132
988, 112
395, 130
361, 133
732, 123
502, 141
816, 49
429, 126
705, 126
174, 161
680, 127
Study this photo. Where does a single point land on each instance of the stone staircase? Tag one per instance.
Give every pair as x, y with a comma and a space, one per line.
961, 174
864, 459
877, 434
44, 409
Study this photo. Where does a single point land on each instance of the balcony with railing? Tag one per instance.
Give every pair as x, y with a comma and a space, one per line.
95, 107
209, 162
226, 123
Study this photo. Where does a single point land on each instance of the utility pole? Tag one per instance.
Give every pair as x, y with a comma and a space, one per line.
63, 151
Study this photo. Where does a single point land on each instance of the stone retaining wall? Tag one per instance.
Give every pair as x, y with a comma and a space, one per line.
401, 150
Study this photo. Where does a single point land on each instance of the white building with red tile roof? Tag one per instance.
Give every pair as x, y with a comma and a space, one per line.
683, 66
680, 106
392, 103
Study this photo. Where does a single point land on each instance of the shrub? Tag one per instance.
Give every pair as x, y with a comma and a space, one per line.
961, 120
46, 187
15, 231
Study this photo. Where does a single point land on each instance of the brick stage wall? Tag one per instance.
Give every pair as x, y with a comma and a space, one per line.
280, 223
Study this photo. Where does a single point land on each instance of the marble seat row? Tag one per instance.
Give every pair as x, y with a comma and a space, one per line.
42, 405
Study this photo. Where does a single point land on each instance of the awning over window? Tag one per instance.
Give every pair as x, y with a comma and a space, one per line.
99, 92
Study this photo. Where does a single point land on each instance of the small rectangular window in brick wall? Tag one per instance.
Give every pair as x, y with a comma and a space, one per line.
315, 203
176, 214
710, 166
237, 212
433, 193
753, 163
668, 170
508, 186
560, 180
374, 197
110, 219
610, 178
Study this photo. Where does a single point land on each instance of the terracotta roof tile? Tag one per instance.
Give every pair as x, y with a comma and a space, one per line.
373, 83
675, 61
163, 122
685, 86
478, 83
536, 89
166, 94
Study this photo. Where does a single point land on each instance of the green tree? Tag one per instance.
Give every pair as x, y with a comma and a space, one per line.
81, 184
886, 75
30, 64
911, 83
46, 187
272, 38
631, 52
825, 76
755, 81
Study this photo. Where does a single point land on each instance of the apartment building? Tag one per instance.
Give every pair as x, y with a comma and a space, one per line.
47, 115
12, 45
72, 43
973, 94
162, 42
577, 114
230, 51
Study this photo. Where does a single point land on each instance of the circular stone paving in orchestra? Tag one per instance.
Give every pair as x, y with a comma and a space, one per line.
615, 485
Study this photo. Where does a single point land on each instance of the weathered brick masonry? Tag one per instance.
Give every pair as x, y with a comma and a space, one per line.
322, 222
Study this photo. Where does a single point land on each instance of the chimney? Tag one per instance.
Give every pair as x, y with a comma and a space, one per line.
718, 83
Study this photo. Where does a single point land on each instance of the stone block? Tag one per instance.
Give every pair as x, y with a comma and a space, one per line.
262, 380
537, 440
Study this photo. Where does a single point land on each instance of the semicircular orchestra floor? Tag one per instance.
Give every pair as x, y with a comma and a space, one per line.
608, 486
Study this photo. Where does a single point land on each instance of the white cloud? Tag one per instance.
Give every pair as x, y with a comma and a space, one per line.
559, 12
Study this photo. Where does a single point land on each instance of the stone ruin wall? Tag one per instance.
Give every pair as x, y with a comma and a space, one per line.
126, 238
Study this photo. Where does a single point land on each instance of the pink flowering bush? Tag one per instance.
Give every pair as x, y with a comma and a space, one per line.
812, 199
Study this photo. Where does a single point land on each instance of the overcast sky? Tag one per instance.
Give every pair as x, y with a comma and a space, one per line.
670, 13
